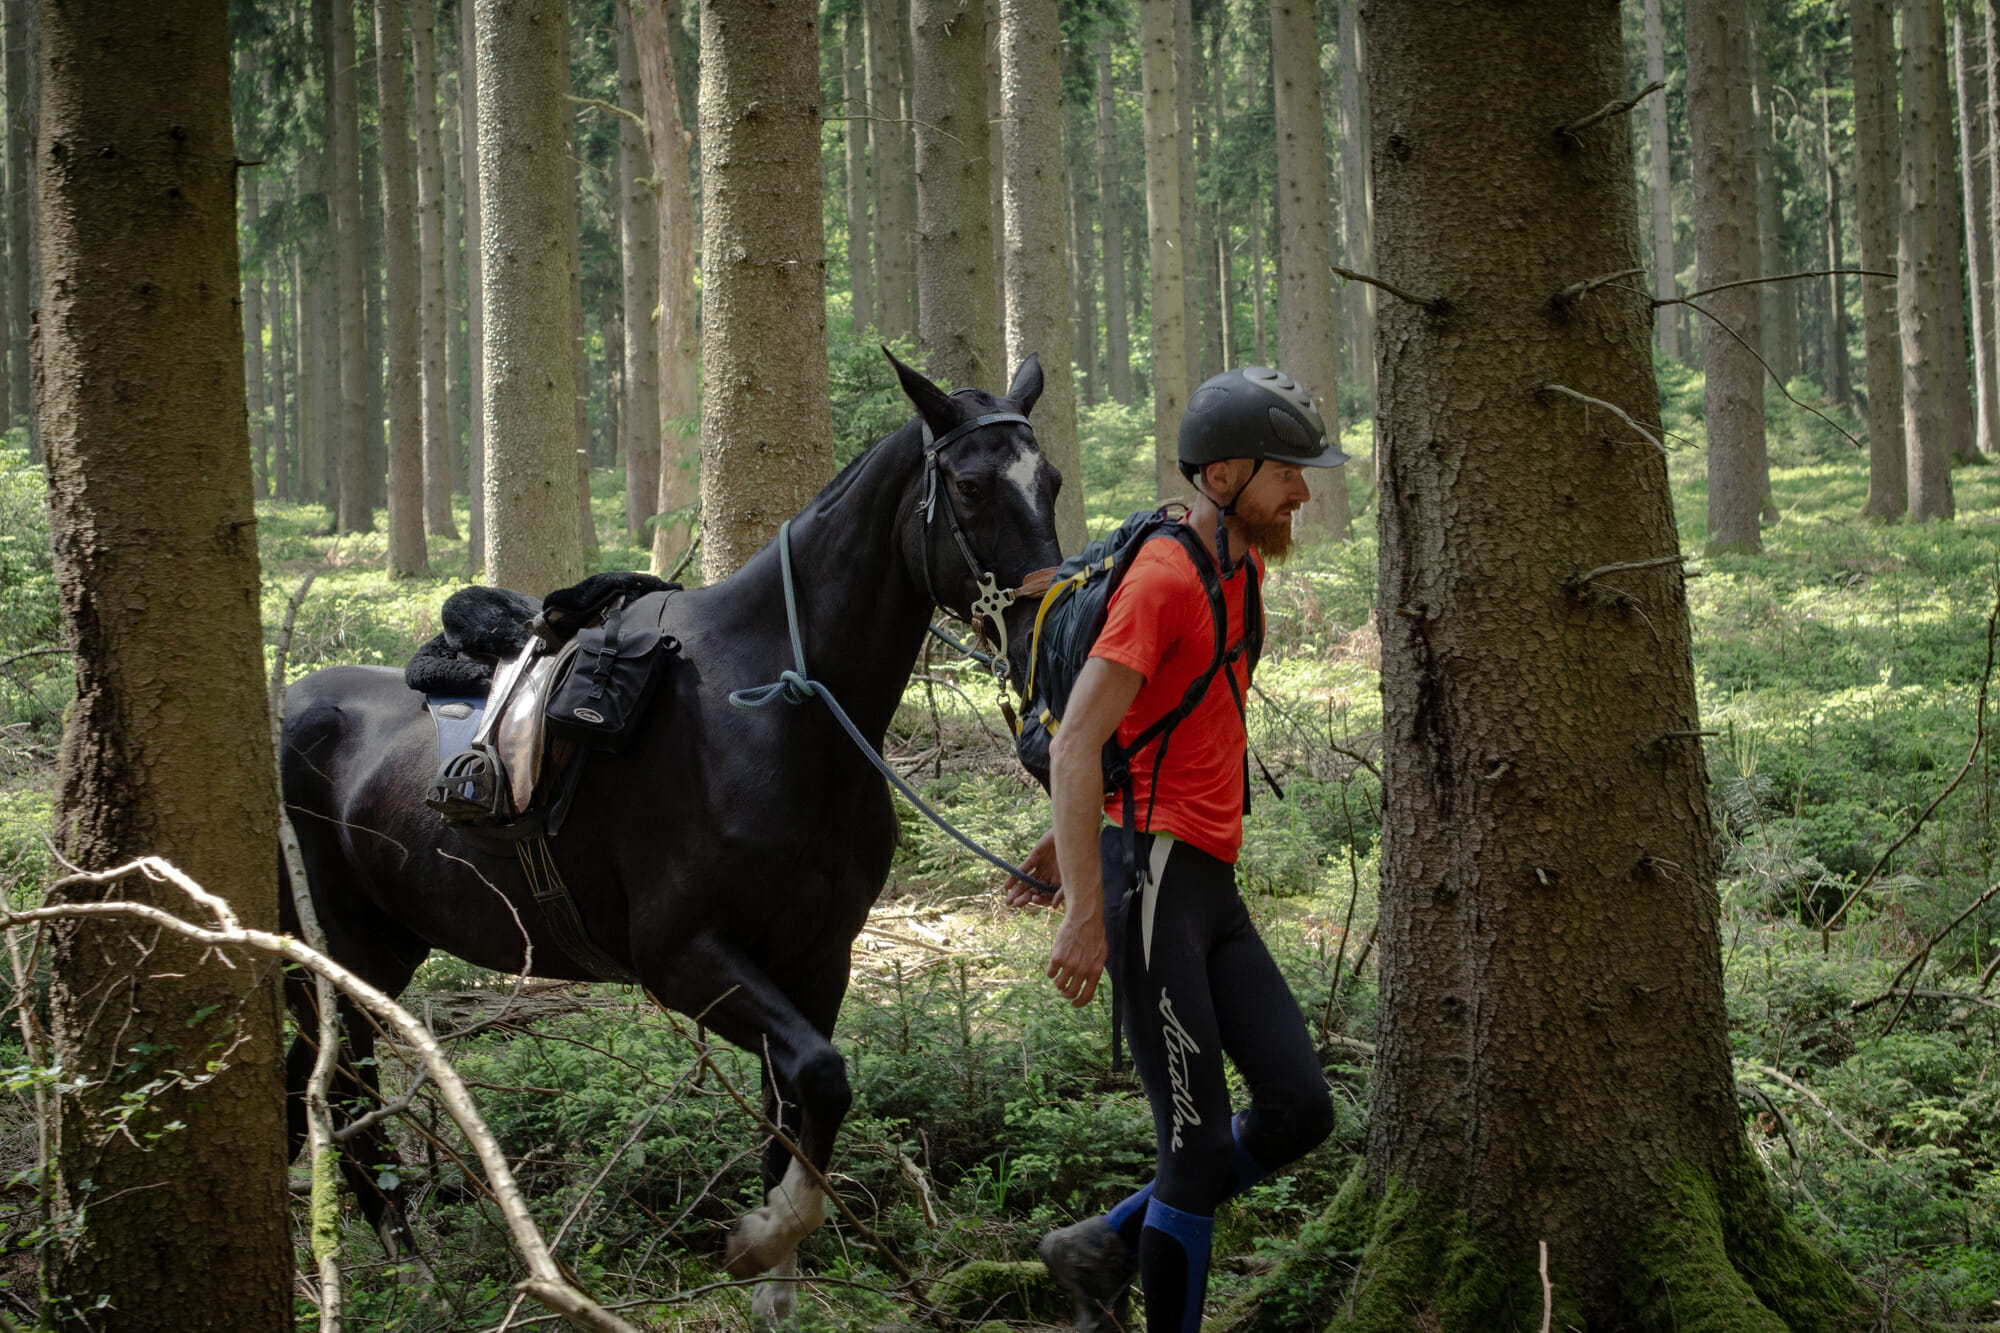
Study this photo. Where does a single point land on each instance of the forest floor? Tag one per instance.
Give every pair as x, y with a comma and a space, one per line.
1843, 670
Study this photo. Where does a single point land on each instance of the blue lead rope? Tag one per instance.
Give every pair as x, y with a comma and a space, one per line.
795, 687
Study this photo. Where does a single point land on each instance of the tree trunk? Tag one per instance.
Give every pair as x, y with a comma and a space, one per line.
579, 357
1037, 267
450, 131
1743, 118
1117, 341
1082, 274
958, 326
996, 155
1777, 312
439, 441
533, 542
639, 226
1308, 349
407, 556
174, 1216
1185, 244
1549, 918
766, 426
253, 349
308, 360
1659, 151
21, 285
475, 289
1960, 437
679, 344
1257, 280
1839, 370
1978, 198
1988, 58
885, 134
1163, 234
1875, 207
374, 331
1204, 253
356, 513
282, 435
1733, 394
854, 83
1927, 456
1357, 211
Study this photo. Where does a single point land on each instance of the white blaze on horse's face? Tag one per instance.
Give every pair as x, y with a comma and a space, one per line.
1023, 471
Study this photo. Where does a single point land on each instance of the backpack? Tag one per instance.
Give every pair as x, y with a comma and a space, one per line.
1071, 617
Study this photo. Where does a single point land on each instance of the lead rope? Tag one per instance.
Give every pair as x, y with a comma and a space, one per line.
795, 687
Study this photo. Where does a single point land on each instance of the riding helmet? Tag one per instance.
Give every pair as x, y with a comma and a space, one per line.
1254, 412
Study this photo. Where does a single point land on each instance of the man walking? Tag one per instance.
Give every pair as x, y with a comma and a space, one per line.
1192, 978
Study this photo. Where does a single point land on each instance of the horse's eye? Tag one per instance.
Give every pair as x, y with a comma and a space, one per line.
972, 491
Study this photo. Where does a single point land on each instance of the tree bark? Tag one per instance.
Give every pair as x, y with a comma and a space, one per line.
407, 555
1037, 266
356, 513
1659, 152
1163, 233
176, 1218
475, 289
1549, 918
854, 83
308, 361
996, 155
1927, 456
766, 425
1777, 311
533, 543
1117, 341
679, 343
1202, 236
374, 331
1733, 393
450, 132
439, 441
885, 161
1357, 209
1876, 206
1959, 409
1082, 274
21, 273
639, 226
1838, 368
579, 357
283, 437
1186, 244
1743, 118
1978, 199
958, 325
253, 350
1308, 349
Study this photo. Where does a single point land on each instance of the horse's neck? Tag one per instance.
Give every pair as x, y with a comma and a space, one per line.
861, 613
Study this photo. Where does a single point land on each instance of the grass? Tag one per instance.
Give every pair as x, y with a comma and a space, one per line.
1842, 668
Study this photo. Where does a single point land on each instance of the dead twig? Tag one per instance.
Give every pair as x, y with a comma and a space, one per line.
1577, 127
1435, 304
1578, 581
32, 652
1576, 291
1917, 962
1776, 378
1612, 408
1782, 277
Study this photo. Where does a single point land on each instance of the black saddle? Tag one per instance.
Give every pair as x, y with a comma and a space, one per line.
484, 627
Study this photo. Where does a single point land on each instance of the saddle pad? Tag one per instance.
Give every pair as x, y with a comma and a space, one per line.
457, 717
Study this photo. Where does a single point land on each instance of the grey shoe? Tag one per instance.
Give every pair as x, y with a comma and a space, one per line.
1091, 1263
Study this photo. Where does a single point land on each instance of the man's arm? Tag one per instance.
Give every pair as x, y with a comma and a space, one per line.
1103, 693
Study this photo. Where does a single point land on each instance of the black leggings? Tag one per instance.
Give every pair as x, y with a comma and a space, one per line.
1194, 982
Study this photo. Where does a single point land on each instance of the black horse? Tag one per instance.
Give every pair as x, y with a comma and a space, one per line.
730, 857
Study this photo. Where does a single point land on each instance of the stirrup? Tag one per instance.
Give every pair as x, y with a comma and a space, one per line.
468, 787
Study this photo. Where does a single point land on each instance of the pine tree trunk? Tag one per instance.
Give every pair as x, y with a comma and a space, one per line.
1839, 370
1659, 151
1876, 206
766, 426
1257, 281
885, 161
1356, 199
407, 555
533, 543
639, 225
1959, 410
1186, 245
996, 155
854, 83
1733, 393
579, 355
439, 442
1163, 233
475, 289
307, 358
1204, 253
1117, 341
1978, 199
1777, 312
344, 200
1037, 265
1987, 57
957, 321
1927, 455
283, 437
174, 1216
679, 344
1307, 347
253, 349
374, 327
1079, 243
20, 402
449, 132
1549, 918
1743, 118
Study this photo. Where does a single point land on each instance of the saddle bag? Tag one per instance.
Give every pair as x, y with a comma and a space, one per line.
617, 666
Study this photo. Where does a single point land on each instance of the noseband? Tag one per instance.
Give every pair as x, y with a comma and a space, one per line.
992, 599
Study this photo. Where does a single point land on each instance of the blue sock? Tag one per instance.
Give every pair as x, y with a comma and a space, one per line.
1129, 1217
1173, 1267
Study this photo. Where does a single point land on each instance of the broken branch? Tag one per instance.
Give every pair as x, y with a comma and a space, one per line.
1578, 290
1610, 109
1782, 277
1434, 304
1612, 408
1776, 379
1579, 580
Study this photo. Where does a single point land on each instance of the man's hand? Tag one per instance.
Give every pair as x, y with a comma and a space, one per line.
1041, 863
1076, 960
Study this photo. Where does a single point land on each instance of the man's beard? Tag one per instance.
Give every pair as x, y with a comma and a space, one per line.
1272, 536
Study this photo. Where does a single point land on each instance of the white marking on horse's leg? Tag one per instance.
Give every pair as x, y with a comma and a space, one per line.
775, 1300
1023, 471
766, 1235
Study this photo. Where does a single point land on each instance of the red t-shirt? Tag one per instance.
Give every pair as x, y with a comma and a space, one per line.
1159, 624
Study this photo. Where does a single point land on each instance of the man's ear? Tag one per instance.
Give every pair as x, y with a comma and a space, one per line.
1220, 478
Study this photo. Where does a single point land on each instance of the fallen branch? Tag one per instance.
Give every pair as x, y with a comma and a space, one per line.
1970, 997
1605, 112
1917, 962
1434, 304
545, 1282
1978, 740
1786, 1081
1612, 408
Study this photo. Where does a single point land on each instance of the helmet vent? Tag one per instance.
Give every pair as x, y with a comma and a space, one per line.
1288, 430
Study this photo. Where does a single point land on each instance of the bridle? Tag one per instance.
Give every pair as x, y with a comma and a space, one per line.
991, 599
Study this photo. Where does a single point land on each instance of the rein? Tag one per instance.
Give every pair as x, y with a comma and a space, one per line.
796, 686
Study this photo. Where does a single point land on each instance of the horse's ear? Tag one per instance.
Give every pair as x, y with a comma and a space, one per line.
931, 402
1027, 385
